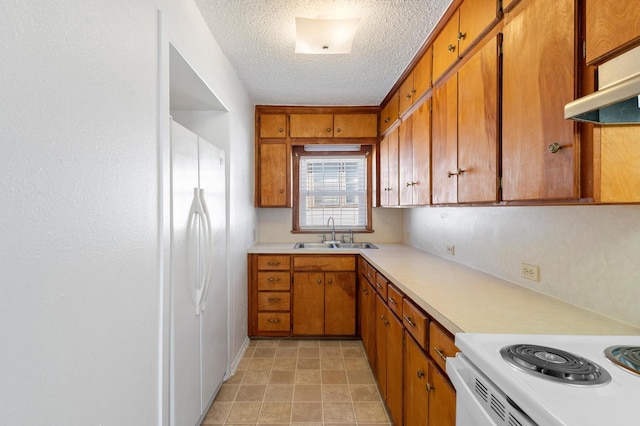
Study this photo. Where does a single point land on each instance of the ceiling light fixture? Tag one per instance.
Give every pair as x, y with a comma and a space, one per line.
325, 36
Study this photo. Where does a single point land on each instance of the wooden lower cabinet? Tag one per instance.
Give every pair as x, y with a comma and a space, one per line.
430, 399
324, 303
269, 295
366, 314
389, 359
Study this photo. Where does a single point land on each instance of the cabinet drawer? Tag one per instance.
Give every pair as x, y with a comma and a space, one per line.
416, 322
274, 321
394, 300
441, 345
381, 284
324, 263
274, 301
274, 281
273, 263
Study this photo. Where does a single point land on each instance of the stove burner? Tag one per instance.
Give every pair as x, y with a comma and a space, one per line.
627, 357
555, 364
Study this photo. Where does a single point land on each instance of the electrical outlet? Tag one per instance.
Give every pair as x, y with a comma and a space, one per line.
530, 272
451, 250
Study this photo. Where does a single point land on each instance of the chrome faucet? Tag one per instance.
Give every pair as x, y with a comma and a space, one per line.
333, 228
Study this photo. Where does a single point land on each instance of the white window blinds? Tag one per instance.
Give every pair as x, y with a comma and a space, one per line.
333, 186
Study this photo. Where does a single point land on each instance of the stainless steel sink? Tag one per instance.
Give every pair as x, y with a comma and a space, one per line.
334, 246
315, 246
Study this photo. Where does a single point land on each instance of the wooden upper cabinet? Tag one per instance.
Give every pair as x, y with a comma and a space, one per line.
612, 27
355, 125
461, 32
311, 125
416, 83
539, 147
444, 143
478, 126
333, 125
273, 174
389, 114
619, 164
273, 126
389, 195
415, 157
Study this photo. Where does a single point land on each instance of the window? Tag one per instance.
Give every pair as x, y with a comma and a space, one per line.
332, 184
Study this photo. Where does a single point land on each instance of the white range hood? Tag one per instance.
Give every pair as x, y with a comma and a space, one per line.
617, 100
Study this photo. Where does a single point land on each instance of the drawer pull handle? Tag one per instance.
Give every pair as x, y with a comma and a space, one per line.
274, 299
393, 302
429, 387
382, 318
368, 274
365, 291
451, 48
273, 279
379, 286
273, 263
274, 320
411, 323
440, 354
420, 374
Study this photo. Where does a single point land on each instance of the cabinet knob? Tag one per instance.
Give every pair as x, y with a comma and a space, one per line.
328, 129
281, 130
428, 387
273, 279
420, 374
554, 147
365, 291
282, 191
413, 91
461, 35
386, 120
456, 173
409, 96
338, 130
451, 48
329, 281
319, 281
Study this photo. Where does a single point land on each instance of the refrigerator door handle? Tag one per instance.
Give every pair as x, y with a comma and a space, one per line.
208, 258
197, 209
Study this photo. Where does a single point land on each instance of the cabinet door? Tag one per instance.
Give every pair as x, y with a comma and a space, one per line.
612, 25
619, 163
538, 80
421, 146
389, 113
394, 398
389, 194
416, 375
475, 17
311, 125
355, 125
478, 126
444, 145
273, 125
406, 94
340, 303
445, 47
422, 75
366, 318
381, 345
442, 399
308, 303
405, 164
274, 183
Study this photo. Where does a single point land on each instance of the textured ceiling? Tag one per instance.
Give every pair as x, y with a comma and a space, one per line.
258, 37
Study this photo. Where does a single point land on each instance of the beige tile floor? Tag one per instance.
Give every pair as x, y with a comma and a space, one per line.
295, 382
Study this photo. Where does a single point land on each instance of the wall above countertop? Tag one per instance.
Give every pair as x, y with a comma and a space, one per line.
587, 255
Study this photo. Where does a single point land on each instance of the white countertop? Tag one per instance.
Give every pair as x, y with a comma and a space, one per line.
466, 300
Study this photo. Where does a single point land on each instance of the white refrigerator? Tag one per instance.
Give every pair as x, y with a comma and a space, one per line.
198, 275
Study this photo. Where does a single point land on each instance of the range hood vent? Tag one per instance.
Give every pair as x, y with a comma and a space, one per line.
617, 100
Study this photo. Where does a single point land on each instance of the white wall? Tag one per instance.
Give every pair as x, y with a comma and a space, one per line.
588, 255
80, 266
275, 227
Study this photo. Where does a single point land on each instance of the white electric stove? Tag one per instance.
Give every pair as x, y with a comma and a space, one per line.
546, 380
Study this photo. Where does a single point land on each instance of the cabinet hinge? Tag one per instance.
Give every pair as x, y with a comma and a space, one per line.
584, 49
500, 183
